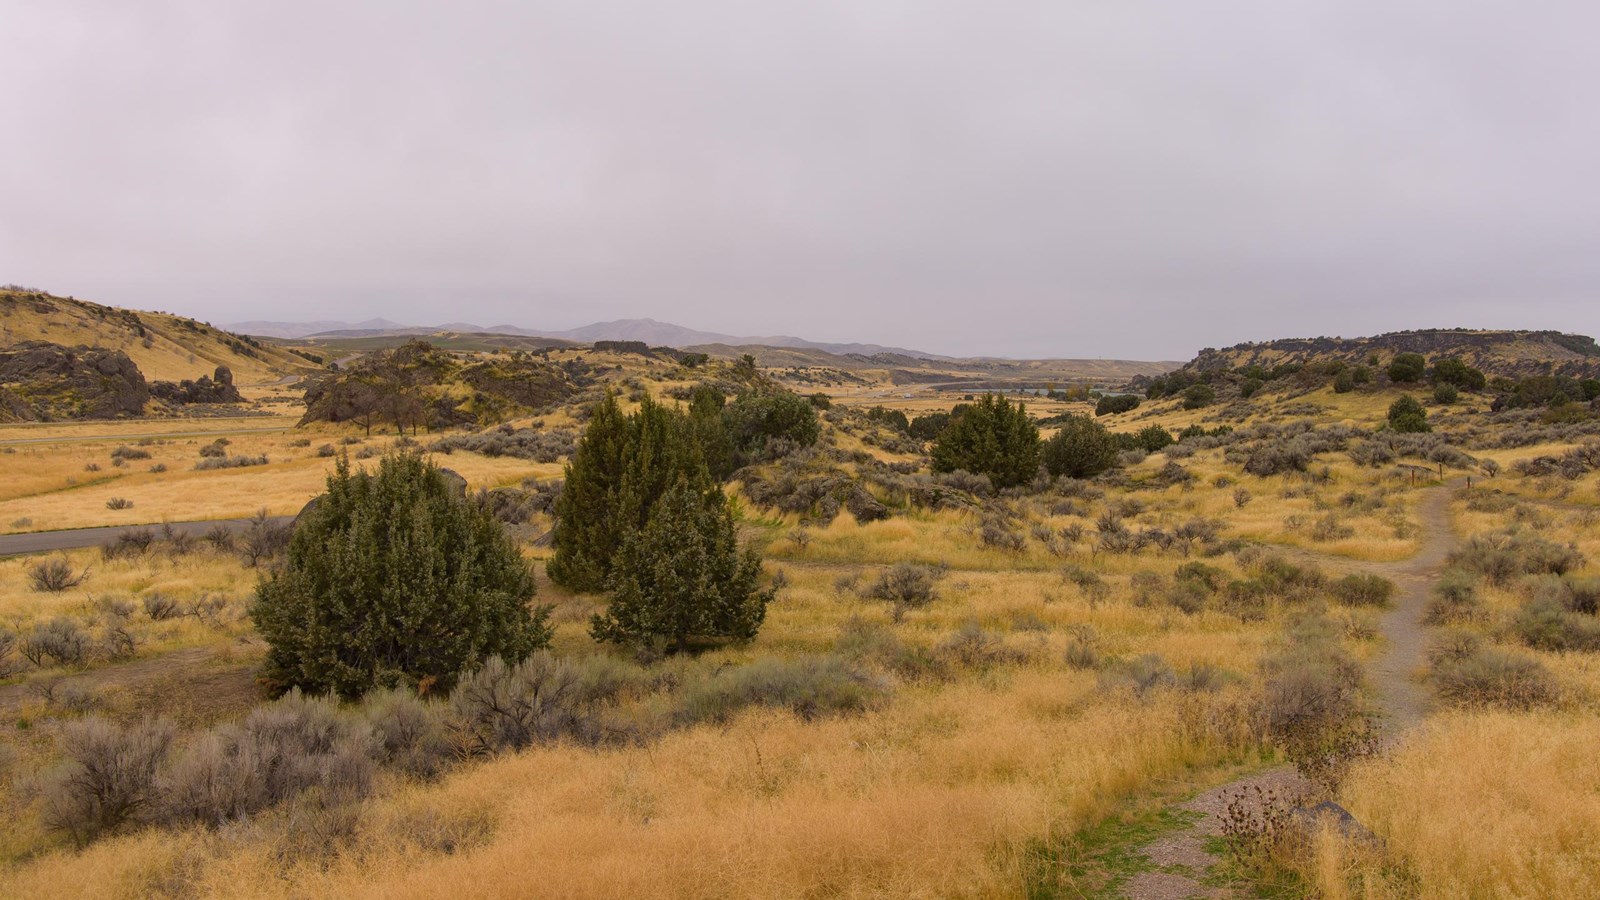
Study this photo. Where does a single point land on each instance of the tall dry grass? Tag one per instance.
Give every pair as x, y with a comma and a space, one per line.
934, 796
1478, 804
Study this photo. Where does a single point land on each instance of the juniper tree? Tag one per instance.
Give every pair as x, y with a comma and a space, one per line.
706, 421
928, 427
1153, 438
1196, 396
759, 418
1112, 404
1407, 415
658, 452
682, 580
622, 467
1407, 367
1082, 447
1454, 372
393, 578
587, 528
991, 437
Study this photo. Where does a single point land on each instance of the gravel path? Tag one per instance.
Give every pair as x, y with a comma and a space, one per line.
1181, 861
1403, 699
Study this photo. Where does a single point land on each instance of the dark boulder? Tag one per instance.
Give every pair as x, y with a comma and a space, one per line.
217, 388
48, 382
1329, 813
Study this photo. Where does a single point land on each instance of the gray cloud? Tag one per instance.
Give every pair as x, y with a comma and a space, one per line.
1073, 179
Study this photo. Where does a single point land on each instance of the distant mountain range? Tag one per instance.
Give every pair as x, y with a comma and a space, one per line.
656, 334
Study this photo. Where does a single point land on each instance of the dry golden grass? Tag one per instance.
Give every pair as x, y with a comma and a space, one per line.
182, 578
942, 791
1285, 510
52, 490
936, 793
126, 430
933, 796
1486, 804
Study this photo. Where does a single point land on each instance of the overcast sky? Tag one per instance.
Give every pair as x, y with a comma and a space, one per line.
1054, 178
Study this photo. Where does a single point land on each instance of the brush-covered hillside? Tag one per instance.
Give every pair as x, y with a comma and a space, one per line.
1513, 354
164, 347
1534, 386
422, 385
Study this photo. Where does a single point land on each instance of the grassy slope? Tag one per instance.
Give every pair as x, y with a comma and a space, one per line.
178, 348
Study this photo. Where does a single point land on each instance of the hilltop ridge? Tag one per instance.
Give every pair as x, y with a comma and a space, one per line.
1512, 353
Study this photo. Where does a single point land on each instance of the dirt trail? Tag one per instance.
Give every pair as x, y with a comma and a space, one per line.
1180, 865
1402, 700
193, 686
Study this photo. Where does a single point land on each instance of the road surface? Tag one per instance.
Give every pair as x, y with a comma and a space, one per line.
74, 538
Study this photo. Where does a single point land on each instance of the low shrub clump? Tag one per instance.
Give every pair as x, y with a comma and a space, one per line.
504, 707
55, 575
1504, 555
809, 687
107, 777
278, 752
1494, 676
1454, 599
1546, 624
536, 444
973, 647
1142, 675
1363, 589
230, 462
1311, 703
905, 586
60, 641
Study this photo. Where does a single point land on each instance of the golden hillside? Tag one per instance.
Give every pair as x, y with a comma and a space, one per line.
165, 347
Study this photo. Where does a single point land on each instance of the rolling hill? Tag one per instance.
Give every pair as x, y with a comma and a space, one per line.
164, 347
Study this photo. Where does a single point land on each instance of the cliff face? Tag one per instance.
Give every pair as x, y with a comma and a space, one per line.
45, 382
1515, 354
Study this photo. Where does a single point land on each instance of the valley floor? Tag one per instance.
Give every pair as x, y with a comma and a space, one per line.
1058, 719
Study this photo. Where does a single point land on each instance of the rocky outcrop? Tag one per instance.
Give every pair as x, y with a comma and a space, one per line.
417, 386
531, 385
218, 388
45, 382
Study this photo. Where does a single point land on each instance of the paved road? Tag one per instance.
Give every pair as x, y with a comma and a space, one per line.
73, 538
